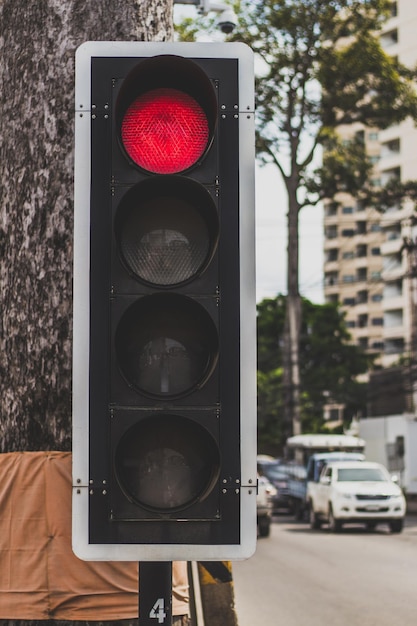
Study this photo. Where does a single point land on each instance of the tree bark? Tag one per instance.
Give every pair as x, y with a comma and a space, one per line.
37, 46
38, 42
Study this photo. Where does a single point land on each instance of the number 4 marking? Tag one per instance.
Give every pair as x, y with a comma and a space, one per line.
158, 611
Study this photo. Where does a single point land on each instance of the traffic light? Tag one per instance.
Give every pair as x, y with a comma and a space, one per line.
164, 373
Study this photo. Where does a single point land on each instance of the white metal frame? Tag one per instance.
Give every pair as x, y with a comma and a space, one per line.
124, 552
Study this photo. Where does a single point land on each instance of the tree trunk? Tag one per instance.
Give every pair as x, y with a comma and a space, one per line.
37, 46
38, 42
292, 409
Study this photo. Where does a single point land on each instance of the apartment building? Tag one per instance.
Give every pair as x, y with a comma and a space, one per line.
367, 268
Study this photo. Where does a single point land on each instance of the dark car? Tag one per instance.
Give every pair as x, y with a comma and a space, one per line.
279, 474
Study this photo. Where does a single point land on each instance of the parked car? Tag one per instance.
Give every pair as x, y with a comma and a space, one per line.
264, 497
280, 474
356, 491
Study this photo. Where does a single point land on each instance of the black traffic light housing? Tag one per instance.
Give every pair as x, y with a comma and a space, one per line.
164, 385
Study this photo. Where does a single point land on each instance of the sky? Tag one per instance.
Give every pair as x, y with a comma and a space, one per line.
271, 228
271, 240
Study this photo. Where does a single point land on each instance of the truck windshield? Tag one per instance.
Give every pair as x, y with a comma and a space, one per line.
360, 474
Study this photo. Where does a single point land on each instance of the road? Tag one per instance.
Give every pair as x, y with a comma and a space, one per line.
300, 577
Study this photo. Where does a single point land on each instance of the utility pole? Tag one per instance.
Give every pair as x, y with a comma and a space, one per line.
410, 247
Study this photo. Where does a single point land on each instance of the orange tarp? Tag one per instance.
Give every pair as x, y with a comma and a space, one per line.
40, 577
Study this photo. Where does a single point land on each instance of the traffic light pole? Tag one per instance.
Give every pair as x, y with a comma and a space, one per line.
155, 593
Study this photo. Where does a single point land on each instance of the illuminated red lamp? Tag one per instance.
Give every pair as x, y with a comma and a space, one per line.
165, 131
166, 113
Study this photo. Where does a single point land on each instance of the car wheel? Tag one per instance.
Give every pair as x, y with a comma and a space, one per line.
396, 526
264, 527
335, 525
315, 522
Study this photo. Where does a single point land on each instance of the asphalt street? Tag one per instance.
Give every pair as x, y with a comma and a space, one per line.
303, 577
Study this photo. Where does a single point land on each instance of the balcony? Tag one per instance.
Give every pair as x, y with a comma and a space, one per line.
393, 289
393, 319
331, 279
390, 148
389, 39
392, 245
393, 173
394, 346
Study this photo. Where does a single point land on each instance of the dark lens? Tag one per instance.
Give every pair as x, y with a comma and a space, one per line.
166, 345
166, 463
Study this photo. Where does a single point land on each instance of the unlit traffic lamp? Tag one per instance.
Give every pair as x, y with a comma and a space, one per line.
164, 401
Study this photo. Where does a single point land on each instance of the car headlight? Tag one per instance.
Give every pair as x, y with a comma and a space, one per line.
345, 496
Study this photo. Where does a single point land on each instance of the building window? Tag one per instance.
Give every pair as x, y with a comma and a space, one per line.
377, 321
349, 301
348, 255
376, 251
392, 235
348, 232
347, 210
377, 345
376, 297
332, 255
348, 278
362, 321
362, 297
362, 274
332, 298
331, 209
331, 232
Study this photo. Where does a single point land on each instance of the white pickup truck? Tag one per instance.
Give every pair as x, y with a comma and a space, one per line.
302, 480
356, 491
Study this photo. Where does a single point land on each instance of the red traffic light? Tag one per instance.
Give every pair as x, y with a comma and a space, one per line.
165, 131
167, 113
